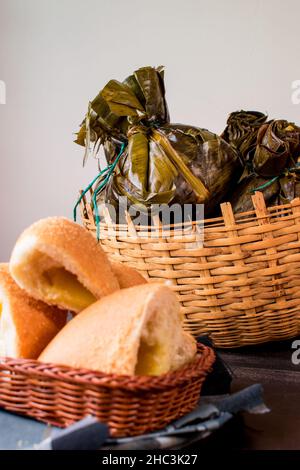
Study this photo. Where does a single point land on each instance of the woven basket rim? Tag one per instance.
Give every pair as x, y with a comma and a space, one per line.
240, 218
201, 364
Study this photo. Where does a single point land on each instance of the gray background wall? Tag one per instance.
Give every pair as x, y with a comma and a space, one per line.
56, 54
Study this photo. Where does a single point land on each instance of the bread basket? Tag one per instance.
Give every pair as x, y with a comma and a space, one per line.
241, 287
130, 405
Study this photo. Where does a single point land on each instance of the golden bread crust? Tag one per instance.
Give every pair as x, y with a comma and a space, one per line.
107, 335
70, 246
127, 276
34, 323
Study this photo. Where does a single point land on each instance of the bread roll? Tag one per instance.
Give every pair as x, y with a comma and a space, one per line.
127, 277
61, 263
132, 331
26, 325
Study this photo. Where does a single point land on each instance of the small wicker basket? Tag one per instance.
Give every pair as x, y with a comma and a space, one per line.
241, 287
130, 405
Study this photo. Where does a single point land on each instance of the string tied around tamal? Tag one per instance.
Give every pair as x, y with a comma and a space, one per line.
272, 180
105, 174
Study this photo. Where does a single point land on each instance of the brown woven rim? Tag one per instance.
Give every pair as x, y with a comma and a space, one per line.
130, 405
203, 361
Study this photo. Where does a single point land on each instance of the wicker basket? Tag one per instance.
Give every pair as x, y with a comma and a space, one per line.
241, 287
130, 405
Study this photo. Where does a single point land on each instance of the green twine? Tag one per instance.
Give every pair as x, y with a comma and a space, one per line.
265, 185
105, 174
268, 183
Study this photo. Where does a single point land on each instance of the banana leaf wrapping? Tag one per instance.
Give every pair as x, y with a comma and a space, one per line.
161, 162
277, 147
281, 189
269, 151
289, 186
240, 198
241, 132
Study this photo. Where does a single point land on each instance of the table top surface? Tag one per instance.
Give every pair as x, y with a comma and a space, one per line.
270, 364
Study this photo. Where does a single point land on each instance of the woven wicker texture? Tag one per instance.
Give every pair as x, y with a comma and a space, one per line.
241, 286
130, 405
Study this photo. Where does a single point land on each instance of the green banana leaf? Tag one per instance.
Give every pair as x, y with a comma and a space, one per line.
289, 185
161, 162
241, 132
148, 86
150, 83
145, 91
278, 142
240, 198
214, 162
138, 148
121, 100
201, 158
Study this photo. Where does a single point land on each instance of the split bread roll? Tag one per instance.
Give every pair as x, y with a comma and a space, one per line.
61, 263
26, 325
133, 331
127, 277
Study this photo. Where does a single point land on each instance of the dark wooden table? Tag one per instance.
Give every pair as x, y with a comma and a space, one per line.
270, 365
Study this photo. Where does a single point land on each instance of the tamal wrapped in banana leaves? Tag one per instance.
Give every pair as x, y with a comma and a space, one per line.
241, 132
272, 163
277, 148
158, 162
